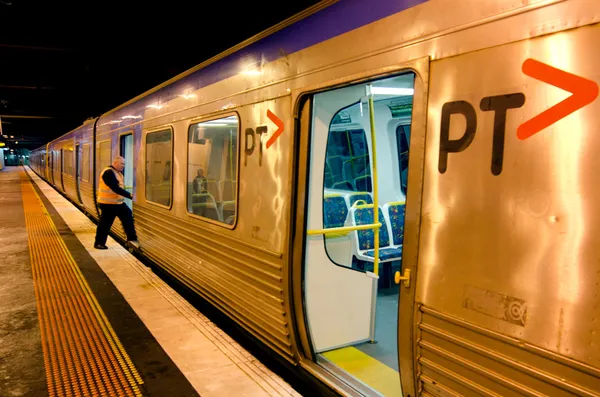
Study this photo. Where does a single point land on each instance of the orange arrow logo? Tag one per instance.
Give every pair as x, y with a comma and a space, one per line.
279, 125
584, 92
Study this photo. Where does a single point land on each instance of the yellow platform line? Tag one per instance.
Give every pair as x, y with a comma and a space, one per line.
82, 354
368, 370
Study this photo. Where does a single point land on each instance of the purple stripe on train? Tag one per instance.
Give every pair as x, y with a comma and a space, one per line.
339, 18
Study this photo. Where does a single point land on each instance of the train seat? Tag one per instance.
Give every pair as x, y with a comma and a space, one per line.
355, 196
363, 183
394, 214
362, 214
204, 204
335, 211
339, 244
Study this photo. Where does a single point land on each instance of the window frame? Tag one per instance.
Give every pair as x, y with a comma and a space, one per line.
100, 167
83, 145
69, 167
364, 134
203, 119
169, 128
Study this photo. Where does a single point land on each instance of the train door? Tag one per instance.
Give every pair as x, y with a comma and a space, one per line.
51, 166
126, 150
357, 169
61, 169
78, 163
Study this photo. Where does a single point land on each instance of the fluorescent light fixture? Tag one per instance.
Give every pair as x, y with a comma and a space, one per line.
392, 91
154, 106
209, 124
221, 121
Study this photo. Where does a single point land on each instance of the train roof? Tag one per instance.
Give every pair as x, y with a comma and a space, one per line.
321, 22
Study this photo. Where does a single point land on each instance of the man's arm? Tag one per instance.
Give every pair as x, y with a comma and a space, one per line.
111, 181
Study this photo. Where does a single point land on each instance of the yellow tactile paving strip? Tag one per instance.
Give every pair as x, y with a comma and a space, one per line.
82, 354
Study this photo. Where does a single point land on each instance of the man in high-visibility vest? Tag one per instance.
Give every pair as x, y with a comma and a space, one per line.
111, 200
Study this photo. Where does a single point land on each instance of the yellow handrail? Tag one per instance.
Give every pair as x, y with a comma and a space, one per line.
335, 230
374, 180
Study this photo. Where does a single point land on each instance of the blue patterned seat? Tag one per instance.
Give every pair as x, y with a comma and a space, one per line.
394, 212
335, 211
354, 197
365, 239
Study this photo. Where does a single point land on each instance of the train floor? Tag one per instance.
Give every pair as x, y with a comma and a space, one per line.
375, 364
75, 321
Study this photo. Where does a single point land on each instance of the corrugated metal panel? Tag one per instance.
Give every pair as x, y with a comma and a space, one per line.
458, 358
117, 228
70, 187
87, 196
245, 285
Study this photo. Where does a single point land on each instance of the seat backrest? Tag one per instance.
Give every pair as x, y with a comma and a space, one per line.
335, 211
328, 179
353, 197
363, 183
363, 215
343, 185
335, 164
395, 213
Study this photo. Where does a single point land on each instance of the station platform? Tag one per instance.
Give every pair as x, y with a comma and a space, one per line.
75, 321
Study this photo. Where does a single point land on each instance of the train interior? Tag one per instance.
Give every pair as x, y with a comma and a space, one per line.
352, 308
103, 157
212, 169
126, 150
159, 148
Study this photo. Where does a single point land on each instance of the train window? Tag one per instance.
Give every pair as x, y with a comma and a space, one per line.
212, 169
346, 158
85, 161
159, 160
104, 158
68, 161
402, 139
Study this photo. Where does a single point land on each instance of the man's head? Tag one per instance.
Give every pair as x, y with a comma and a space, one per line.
119, 163
200, 172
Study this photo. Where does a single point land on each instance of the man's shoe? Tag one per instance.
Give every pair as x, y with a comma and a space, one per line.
134, 243
100, 247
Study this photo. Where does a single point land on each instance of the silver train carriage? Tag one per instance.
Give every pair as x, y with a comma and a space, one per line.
467, 129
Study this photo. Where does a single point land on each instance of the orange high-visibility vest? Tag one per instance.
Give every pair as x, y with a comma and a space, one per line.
105, 193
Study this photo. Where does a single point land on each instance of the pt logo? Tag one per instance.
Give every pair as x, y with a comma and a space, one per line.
583, 92
251, 140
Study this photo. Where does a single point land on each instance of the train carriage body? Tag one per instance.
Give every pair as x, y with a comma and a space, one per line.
386, 171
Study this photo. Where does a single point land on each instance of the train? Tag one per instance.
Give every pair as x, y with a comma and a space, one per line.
395, 197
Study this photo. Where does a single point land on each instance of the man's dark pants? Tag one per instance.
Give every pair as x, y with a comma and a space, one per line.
108, 213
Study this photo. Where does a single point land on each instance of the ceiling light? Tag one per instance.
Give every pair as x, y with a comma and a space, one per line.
392, 91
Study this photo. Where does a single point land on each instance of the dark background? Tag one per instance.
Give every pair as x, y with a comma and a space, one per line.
62, 62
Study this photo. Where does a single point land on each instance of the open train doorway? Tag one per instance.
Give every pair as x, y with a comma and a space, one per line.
358, 167
78, 167
126, 150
